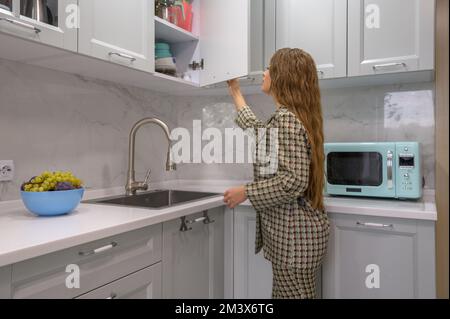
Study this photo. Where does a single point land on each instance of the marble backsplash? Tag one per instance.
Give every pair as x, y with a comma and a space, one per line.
365, 114
58, 121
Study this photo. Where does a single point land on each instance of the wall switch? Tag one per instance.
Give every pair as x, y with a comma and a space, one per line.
6, 171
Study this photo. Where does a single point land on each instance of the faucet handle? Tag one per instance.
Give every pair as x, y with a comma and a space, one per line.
147, 177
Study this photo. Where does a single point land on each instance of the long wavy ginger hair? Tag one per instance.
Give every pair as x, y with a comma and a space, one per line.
295, 85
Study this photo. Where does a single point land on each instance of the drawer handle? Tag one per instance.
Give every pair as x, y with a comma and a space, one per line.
112, 296
389, 65
98, 250
185, 222
125, 56
22, 24
375, 225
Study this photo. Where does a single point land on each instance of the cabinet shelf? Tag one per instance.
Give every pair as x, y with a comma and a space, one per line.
176, 79
164, 30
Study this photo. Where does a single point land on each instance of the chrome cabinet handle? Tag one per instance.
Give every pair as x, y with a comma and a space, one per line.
122, 55
389, 65
112, 296
22, 24
185, 222
320, 72
389, 164
375, 225
98, 250
197, 220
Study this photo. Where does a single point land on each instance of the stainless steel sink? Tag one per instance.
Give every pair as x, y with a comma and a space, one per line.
154, 199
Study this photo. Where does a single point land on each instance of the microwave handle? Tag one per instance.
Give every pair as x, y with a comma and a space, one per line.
389, 165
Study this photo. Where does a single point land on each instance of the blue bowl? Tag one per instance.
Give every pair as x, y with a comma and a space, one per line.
52, 203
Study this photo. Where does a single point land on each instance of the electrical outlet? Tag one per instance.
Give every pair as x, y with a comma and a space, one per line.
6, 171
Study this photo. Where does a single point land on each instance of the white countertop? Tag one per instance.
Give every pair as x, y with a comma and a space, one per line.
24, 236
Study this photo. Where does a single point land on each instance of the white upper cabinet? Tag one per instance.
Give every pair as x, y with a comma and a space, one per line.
390, 36
318, 27
256, 37
224, 40
51, 22
118, 31
217, 47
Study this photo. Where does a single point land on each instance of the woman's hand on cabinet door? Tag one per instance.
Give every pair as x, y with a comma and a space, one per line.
235, 196
234, 86
235, 92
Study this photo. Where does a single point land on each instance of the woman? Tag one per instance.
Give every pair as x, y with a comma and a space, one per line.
292, 225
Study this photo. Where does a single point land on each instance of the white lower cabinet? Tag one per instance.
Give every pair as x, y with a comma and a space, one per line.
131, 265
144, 284
193, 256
368, 257
5, 282
74, 271
252, 274
378, 257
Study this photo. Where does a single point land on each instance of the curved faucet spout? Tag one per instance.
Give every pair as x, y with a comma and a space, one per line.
132, 186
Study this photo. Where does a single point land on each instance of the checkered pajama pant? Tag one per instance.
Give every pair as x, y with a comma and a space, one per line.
293, 283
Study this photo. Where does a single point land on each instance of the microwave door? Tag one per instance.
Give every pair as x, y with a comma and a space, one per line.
360, 173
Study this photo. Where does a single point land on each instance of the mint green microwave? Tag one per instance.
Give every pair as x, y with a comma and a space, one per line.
387, 170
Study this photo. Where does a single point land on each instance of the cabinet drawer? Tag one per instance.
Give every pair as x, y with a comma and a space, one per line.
375, 224
99, 262
144, 284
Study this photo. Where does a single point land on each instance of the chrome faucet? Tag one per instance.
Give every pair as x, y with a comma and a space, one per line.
132, 185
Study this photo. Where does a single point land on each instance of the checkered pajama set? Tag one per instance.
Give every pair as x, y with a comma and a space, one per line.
291, 232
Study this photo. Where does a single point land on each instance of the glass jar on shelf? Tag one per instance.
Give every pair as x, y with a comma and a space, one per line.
162, 8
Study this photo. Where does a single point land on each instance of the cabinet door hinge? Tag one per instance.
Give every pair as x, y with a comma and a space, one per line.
196, 65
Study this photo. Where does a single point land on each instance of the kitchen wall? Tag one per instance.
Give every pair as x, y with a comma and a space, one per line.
58, 121
52, 120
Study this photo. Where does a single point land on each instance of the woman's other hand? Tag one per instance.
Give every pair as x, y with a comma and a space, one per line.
234, 196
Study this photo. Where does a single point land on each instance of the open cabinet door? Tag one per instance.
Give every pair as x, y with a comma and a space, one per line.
224, 40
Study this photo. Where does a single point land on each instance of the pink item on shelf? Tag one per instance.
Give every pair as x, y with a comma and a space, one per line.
176, 16
187, 22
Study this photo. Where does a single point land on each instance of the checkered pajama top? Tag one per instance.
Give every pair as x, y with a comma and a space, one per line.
289, 229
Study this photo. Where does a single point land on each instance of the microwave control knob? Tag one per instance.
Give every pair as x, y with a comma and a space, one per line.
406, 149
406, 176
